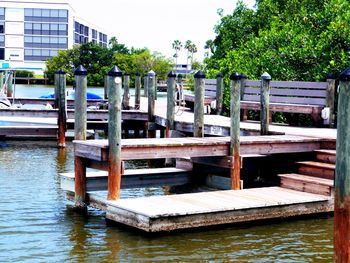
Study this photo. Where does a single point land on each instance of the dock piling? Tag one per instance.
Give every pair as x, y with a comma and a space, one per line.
60, 86
331, 79
198, 125
114, 133
105, 87
80, 117
170, 113
151, 101
235, 106
137, 90
126, 94
342, 173
145, 86
265, 103
219, 93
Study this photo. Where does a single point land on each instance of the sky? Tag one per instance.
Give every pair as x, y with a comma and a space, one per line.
155, 24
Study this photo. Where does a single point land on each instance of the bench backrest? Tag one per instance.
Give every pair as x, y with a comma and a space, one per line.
210, 88
288, 92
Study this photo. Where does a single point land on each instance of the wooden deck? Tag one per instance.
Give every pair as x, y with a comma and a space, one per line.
167, 213
134, 149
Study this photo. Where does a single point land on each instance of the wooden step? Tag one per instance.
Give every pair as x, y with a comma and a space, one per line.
317, 169
309, 184
326, 156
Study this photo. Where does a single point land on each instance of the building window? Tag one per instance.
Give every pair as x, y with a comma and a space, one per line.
2, 40
2, 27
2, 53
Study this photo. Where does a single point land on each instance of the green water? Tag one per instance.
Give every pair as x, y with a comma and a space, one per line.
37, 224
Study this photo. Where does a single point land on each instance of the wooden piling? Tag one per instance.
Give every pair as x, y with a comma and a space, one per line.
342, 173
80, 134
235, 168
265, 103
145, 86
62, 110
243, 81
10, 84
170, 113
219, 93
330, 98
105, 87
137, 91
198, 124
114, 133
151, 101
2, 76
126, 94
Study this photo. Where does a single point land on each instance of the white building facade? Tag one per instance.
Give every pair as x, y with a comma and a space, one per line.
31, 31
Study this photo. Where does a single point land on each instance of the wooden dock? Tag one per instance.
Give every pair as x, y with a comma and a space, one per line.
167, 213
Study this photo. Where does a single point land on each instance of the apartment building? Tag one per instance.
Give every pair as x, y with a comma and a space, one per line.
31, 31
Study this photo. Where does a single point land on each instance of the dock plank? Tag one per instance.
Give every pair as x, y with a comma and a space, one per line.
166, 213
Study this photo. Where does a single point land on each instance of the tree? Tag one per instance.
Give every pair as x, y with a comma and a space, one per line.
187, 46
192, 49
115, 46
177, 45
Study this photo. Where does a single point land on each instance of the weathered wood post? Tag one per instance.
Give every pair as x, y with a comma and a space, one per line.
60, 75
105, 87
170, 112
2, 75
342, 173
198, 124
114, 133
235, 106
137, 91
265, 103
126, 94
10, 84
80, 118
243, 81
145, 86
219, 93
151, 102
330, 99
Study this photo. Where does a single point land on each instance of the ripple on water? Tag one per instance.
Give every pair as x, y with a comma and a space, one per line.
37, 225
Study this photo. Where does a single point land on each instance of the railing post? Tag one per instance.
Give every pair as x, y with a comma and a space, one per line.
80, 118
342, 173
145, 86
137, 91
243, 81
60, 75
219, 93
265, 103
170, 113
126, 94
198, 124
151, 101
235, 106
330, 99
114, 133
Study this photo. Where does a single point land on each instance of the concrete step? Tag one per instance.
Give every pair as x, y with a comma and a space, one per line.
317, 169
326, 156
309, 184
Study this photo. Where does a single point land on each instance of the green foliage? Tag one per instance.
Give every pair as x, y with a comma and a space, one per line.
98, 60
291, 40
24, 73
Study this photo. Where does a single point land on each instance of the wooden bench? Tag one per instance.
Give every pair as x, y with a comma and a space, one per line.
292, 97
209, 95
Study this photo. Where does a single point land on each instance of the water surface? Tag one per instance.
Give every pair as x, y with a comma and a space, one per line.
37, 224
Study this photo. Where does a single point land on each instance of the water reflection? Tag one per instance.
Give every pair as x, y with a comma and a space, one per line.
37, 225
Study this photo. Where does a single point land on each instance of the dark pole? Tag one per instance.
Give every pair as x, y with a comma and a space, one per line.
62, 113
265, 103
219, 93
137, 91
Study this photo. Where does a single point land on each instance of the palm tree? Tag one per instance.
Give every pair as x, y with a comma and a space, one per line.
193, 49
187, 46
177, 45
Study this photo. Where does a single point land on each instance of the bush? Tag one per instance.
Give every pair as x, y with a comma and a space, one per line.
24, 73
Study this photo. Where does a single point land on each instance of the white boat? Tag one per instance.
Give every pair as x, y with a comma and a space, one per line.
4, 102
